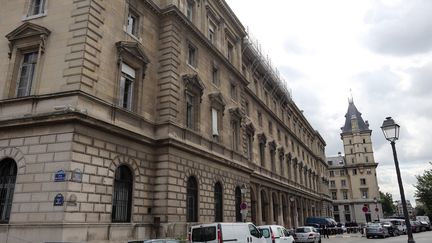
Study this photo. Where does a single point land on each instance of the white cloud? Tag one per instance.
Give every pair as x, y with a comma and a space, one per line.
379, 49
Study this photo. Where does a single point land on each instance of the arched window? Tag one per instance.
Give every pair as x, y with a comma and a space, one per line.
192, 200
275, 207
218, 197
8, 172
238, 199
122, 196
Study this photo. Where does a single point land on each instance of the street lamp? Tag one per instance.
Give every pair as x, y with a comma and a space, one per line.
376, 208
391, 133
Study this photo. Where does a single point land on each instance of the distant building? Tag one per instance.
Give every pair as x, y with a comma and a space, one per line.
353, 181
399, 208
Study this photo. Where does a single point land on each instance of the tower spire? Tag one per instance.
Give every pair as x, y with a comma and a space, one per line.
350, 99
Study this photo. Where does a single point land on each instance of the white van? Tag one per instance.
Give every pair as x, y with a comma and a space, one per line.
276, 234
225, 232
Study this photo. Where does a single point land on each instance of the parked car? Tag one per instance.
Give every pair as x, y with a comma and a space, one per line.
223, 232
424, 225
415, 227
275, 234
321, 222
376, 230
425, 219
392, 229
400, 224
307, 234
155, 241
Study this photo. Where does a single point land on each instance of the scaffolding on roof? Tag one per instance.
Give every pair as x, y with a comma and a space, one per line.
272, 73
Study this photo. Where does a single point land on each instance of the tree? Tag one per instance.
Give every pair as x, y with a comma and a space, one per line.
388, 207
423, 191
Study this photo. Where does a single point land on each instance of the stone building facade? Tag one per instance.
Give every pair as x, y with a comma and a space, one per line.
134, 119
353, 178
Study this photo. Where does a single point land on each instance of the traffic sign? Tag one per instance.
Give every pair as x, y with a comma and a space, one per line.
376, 209
243, 206
365, 209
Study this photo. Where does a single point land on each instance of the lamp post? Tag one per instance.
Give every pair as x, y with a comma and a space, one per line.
376, 208
391, 133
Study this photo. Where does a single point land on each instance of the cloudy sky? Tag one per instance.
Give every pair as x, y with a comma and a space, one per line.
379, 49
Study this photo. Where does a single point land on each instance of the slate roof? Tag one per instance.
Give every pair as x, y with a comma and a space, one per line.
354, 113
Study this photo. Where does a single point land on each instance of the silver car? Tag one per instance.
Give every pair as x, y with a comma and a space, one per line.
307, 234
377, 230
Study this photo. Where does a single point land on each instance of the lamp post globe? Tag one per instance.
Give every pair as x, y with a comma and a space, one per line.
391, 133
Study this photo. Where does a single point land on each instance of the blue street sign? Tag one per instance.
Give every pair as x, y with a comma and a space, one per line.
60, 175
58, 200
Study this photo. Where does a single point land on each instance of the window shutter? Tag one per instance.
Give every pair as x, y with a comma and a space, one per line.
128, 70
215, 131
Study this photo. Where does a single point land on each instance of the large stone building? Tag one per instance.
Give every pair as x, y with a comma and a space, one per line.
353, 178
135, 119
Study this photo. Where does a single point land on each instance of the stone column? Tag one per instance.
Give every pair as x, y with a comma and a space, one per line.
281, 214
259, 205
270, 218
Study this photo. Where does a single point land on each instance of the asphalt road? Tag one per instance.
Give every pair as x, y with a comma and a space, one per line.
424, 237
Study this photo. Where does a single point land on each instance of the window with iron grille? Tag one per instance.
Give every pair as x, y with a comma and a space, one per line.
192, 200
218, 197
122, 196
8, 171
238, 200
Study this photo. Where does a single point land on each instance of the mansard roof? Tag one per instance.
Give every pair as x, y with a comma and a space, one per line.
353, 113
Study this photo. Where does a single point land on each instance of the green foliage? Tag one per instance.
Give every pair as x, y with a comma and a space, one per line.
388, 207
424, 191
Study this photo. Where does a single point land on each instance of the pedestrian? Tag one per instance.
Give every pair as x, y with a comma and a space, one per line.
326, 231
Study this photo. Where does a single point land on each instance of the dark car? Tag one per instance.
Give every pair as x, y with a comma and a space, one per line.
392, 229
321, 221
376, 230
415, 226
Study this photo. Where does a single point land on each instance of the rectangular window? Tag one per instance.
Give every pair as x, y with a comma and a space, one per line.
343, 183
215, 75
192, 55
230, 52
332, 174
249, 142
347, 217
346, 208
364, 194
332, 184
235, 134
354, 171
345, 195
190, 10
36, 7
362, 181
190, 121
260, 120
132, 23
26, 73
336, 208
233, 91
215, 129
212, 32
247, 109
262, 153
126, 86
342, 172
334, 195
270, 127
278, 134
